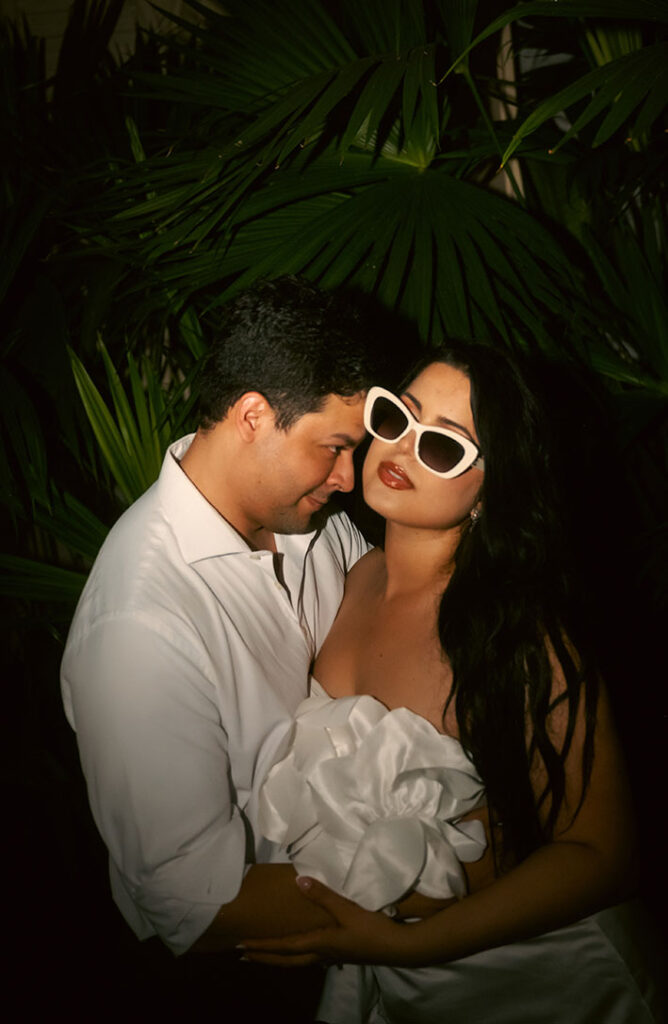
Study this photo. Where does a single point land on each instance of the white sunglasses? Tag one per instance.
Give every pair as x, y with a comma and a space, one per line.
441, 451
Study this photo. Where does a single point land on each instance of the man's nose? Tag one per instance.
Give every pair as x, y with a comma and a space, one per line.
343, 474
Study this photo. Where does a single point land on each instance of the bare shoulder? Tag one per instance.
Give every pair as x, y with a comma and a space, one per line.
362, 583
365, 572
336, 664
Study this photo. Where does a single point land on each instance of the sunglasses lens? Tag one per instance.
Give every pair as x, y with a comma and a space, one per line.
440, 452
387, 419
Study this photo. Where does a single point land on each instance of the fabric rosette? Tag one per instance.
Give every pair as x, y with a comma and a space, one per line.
368, 801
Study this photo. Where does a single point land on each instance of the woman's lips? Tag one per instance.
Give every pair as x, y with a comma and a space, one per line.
393, 476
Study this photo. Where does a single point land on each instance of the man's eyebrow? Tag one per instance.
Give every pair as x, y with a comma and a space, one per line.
441, 419
347, 440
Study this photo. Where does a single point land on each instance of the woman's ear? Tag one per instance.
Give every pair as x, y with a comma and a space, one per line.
252, 415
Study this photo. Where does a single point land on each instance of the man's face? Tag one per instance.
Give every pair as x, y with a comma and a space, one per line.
298, 469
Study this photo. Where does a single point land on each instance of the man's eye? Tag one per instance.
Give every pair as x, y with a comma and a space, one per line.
336, 448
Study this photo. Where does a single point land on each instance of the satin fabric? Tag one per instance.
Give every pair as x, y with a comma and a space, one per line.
368, 800
605, 969
352, 766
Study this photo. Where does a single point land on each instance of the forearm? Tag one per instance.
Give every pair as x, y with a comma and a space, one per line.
268, 904
558, 884
479, 874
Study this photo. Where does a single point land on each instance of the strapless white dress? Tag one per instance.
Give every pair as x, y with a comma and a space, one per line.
368, 801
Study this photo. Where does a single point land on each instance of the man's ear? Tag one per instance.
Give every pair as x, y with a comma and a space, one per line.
252, 414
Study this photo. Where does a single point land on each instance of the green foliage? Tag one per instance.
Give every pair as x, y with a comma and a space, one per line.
338, 152
409, 148
636, 80
134, 440
22, 578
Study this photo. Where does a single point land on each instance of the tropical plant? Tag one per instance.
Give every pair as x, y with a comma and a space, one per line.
358, 147
417, 149
58, 495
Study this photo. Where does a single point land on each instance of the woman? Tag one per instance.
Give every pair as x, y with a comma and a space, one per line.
466, 618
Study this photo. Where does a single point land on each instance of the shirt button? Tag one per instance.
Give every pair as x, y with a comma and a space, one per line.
256, 556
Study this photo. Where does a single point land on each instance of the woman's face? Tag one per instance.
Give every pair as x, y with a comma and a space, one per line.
402, 490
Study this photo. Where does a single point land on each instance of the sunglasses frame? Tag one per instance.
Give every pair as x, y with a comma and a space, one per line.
471, 453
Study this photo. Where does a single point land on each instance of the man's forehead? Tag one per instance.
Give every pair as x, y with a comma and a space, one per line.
333, 403
341, 417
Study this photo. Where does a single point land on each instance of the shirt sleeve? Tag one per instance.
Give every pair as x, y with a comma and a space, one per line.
154, 753
353, 543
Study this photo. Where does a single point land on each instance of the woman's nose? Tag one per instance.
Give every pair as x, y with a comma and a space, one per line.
407, 443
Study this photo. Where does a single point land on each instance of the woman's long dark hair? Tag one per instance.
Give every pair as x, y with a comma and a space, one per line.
511, 597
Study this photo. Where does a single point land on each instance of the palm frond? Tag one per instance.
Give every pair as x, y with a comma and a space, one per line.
30, 580
133, 441
75, 526
637, 80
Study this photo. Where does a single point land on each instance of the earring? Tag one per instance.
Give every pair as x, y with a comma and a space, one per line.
474, 515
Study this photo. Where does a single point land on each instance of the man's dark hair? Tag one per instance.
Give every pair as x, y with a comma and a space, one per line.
293, 343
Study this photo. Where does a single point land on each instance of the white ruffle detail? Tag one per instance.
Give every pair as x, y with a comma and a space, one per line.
368, 800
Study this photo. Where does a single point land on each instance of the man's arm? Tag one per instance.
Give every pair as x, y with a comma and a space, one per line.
156, 764
269, 903
588, 865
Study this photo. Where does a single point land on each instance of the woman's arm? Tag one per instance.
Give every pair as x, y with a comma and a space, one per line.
589, 864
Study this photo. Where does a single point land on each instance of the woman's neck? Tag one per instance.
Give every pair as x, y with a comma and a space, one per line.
418, 560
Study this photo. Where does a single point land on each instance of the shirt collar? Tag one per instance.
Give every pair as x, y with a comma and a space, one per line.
200, 531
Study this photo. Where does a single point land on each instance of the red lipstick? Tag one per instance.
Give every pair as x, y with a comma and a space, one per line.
394, 476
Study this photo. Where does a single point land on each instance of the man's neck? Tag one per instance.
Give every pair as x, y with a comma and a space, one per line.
202, 464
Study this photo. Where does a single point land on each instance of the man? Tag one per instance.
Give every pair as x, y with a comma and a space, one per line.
191, 645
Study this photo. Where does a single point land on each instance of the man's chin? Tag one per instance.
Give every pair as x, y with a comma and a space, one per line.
319, 518
305, 523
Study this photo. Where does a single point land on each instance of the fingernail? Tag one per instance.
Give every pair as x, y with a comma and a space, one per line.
304, 883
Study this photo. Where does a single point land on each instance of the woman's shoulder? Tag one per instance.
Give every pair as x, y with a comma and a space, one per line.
369, 568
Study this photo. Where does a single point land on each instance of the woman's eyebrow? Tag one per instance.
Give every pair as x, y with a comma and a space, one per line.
441, 419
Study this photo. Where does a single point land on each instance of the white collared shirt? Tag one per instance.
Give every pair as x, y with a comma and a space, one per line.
184, 664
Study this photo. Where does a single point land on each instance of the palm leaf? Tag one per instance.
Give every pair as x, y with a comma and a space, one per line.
386, 238
632, 273
131, 442
458, 17
21, 435
73, 525
623, 85
26, 579
191, 332
603, 10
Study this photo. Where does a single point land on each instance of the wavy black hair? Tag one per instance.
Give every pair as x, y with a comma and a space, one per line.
513, 595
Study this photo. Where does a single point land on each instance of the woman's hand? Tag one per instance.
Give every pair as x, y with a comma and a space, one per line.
360, 936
